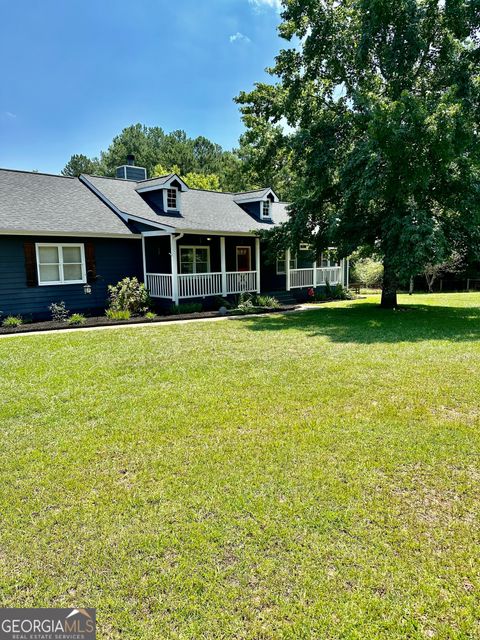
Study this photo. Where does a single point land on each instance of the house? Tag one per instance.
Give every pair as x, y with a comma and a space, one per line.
65, 238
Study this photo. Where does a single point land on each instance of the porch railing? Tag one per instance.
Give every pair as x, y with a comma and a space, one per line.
194, 285
332, 275
241, 281
198, 285
305, 277
159, 285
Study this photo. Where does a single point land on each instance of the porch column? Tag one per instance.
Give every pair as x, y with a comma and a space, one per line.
173, 256
287, 268
347, 274
144, 258
314, 274
257, 262
223, 266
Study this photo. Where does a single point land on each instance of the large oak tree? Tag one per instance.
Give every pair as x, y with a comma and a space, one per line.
381, 99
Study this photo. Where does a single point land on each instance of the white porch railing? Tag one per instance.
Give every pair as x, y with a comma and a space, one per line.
332, 275
241, 281
304, 277
195, 285
159, 285
198, 285
301, 278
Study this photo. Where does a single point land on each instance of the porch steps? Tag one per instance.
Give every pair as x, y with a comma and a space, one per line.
284, 297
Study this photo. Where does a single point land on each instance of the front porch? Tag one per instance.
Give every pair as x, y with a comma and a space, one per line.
198, 266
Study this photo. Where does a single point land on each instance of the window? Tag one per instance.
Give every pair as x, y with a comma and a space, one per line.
171, 198
61, 264
281, 265
194, 259
304, 246
266, 207
328, 260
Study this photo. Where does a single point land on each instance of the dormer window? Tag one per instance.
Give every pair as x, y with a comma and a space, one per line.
172, 199
266, 207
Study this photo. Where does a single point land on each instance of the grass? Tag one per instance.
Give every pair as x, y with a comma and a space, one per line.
312, 475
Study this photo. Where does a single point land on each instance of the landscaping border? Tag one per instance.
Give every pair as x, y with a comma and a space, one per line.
103, 322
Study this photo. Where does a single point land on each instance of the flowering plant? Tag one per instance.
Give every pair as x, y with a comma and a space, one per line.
311, 292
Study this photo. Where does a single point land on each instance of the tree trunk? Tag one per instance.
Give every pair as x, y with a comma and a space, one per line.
412, 283
389, 289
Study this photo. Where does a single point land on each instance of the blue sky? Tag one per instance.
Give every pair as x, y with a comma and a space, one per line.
75, 72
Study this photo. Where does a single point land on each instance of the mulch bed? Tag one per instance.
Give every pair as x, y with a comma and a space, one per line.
102, 321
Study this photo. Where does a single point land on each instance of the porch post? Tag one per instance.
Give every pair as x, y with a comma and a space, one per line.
144, 258
257, 262
287, 268
347, 274
173, 256
223, 266
314, 274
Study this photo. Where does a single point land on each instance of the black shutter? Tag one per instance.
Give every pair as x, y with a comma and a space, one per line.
30, 264
90, 262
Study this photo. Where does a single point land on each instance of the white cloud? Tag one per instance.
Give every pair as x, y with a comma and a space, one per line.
262, 4
9, 114
239, 37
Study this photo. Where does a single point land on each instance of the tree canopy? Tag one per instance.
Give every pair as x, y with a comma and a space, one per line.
376, 109
151, 146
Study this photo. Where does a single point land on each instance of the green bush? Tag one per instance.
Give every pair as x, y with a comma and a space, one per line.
129, 295
76, 319
12, 321
185, 307
337, 292
150, 315
368, 271
59, 311
118, 314
270, 302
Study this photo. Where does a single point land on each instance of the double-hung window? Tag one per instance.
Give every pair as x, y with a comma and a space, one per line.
266, 209
281, 262
61, 264
171, 198
194, 259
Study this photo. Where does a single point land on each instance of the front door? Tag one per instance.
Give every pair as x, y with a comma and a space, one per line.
244, 259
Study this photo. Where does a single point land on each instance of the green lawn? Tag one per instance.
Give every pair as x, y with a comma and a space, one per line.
312, 475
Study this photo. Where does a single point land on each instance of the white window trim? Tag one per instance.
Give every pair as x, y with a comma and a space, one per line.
284, 260
262, 215
193, 246
165, 199
59, 246
249, 255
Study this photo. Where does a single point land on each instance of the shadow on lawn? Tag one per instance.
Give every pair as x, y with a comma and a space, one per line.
368, 323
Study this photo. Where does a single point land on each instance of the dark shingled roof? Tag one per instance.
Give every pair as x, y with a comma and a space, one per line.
45, 203
200, 210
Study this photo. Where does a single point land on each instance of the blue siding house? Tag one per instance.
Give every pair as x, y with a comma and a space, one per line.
67, 239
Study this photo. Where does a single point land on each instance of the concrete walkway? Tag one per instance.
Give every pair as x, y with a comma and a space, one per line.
164, 323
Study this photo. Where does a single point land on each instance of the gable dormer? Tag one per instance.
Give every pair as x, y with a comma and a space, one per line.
257, 203
165, 191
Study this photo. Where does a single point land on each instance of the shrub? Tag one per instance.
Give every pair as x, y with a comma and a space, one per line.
12, 321
76, 319
185, 307
268, 301
337, 292
59, 311
150, 315
118, 314
368, 271
129, 295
